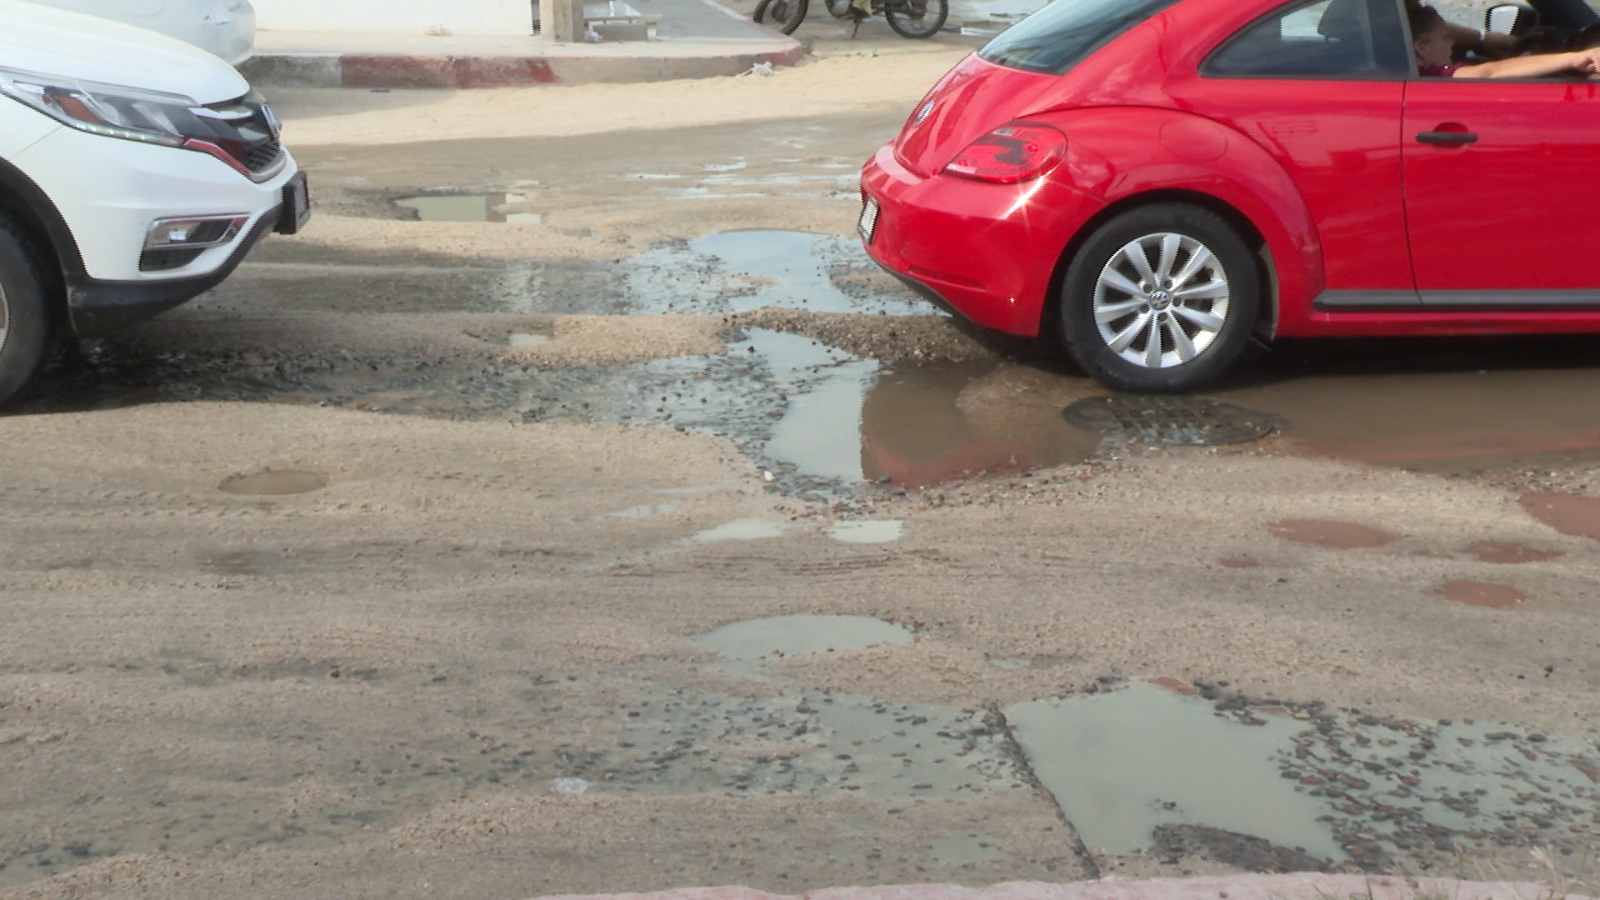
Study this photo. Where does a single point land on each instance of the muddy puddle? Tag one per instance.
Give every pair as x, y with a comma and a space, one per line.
1140, 767
1457, 410
821, 421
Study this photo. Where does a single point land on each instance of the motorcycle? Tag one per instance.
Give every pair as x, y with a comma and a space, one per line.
908, 18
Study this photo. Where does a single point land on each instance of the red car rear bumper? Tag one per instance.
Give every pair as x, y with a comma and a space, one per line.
987, 251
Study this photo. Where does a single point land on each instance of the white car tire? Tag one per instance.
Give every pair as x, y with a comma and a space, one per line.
25, 324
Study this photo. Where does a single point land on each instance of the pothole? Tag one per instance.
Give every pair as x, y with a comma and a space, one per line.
782, 636
1184, 421
742, 271
926, 425
272, 482
1350, 788
493, 207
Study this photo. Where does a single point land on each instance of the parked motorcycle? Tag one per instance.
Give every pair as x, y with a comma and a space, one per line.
908, 18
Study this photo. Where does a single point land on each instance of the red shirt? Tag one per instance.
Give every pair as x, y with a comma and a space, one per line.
1439, 71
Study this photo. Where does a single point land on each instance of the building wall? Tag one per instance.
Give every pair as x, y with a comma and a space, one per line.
495, 17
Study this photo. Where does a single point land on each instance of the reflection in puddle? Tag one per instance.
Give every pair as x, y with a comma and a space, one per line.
819, 432
471, 208
924, 425
793, 635
1337, 784
274, 482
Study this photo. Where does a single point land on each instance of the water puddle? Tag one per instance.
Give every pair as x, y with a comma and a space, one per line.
1331, 534
742, 271
966, 847
795, 635
879, 532
1510, 553
494, 207
1119, 764
1131, 764
1451, 408
274, 482
741, 530
819, 432
1481, 593
812, 744
824, 421
925, 425
645, 511
1566, 513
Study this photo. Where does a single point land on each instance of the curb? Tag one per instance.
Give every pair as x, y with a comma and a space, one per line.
1303, 886
358, 70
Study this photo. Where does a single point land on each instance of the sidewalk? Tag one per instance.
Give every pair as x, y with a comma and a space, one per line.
692, 39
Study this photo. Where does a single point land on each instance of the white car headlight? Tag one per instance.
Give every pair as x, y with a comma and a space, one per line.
105, 109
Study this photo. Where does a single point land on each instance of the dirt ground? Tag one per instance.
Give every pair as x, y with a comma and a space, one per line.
321, 587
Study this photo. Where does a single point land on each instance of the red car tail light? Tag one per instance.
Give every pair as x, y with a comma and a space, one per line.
1010, 153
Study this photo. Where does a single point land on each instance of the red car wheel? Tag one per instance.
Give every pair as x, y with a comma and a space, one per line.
1160, 299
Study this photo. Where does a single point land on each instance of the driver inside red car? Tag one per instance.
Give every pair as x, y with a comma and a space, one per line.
1434, 46
1479, 41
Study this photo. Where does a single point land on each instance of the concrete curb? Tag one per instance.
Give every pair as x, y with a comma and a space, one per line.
1302, 886
360, 70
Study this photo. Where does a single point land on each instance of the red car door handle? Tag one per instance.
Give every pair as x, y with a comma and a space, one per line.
1446, 137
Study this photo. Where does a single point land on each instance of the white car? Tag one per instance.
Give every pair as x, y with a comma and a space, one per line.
136, 171
226, 28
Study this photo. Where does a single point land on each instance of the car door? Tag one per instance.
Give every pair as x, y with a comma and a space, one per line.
1319, 85
1500, 189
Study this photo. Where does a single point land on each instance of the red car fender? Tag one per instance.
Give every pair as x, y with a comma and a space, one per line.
1125, 156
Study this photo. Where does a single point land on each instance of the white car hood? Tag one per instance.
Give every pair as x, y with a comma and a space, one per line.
50, 41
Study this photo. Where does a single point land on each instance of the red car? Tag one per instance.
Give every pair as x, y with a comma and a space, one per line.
1158, 180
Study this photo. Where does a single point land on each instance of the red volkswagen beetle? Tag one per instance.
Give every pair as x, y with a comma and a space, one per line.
1158, 180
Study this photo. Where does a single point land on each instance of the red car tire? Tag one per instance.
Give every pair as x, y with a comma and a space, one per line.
1160, 299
